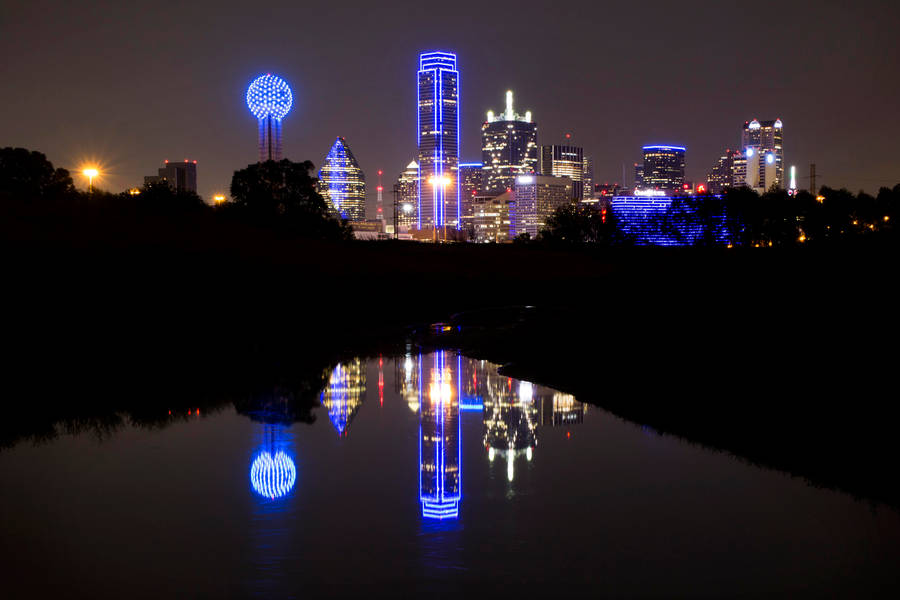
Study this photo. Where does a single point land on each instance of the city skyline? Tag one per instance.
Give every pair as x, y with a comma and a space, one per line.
127, 122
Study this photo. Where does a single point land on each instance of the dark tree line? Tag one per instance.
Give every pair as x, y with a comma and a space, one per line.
280, 196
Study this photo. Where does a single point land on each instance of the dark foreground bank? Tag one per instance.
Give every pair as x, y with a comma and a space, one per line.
786, 358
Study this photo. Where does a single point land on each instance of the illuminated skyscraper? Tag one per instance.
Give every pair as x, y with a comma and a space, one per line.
471, 178
439, 440
762, 143
437, 104
406, 198
342, 183
508, 148
587, 179
490, 217
722, 174
269, 98
536, 197
565, 161
344, 394
663, 168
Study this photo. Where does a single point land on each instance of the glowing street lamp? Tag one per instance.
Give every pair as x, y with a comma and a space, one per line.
90, 173
219, 199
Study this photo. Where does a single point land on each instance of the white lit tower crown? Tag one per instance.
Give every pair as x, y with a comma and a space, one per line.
269, 98
762, 143
508, 147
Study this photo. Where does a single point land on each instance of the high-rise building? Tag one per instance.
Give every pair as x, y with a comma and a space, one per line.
181, 177
638, 175
491, 217
471, 182
722, 174
406, 199
536, 197
663, 168
342, 183
587, 178
269, 98
440, 463
437, 104
508, 147
762, 143
564, 161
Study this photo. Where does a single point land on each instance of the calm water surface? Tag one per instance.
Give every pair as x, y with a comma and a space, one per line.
425, 474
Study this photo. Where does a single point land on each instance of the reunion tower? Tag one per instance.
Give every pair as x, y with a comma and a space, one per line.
269, 98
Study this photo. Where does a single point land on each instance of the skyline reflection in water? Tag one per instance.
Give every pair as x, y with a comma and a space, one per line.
600, 504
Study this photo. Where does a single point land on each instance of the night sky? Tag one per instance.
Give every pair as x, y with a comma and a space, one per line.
130, 84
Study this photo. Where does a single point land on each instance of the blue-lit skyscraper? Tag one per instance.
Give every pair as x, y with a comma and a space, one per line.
342, 183
437, 103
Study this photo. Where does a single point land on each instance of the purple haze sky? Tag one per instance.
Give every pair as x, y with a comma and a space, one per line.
132, 83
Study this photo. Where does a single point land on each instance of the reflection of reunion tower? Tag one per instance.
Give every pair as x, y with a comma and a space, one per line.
269, 98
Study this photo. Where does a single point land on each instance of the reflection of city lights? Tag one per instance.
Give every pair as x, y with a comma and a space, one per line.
343, 396
273, 476
526, 390
439, 445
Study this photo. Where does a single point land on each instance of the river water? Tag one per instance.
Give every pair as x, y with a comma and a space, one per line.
424, 474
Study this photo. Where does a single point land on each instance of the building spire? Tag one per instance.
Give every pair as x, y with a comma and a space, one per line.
510, 115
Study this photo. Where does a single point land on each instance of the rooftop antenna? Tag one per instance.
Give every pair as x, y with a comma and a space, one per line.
380, 203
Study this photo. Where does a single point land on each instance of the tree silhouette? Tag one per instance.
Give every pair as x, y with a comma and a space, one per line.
27, 175
283, 194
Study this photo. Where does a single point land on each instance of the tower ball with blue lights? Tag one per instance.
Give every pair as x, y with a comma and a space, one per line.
269, 98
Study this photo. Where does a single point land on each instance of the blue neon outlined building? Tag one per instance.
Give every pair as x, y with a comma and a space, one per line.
437, 139
440, 457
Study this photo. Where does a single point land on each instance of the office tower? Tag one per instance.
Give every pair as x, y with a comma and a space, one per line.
344, 394
508, 147
763, 144
440, 463
269, 98
181, 177
342, 183
471, 178
437, 104
722, 174
638, 175
406, 198
587, 178
663, 168
491, 217
536, 197
564, 161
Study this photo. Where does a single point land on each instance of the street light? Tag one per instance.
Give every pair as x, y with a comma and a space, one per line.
219, 199
90, 174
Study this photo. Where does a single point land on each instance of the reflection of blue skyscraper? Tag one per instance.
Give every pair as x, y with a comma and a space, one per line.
440, 465
437, 134
344, 394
